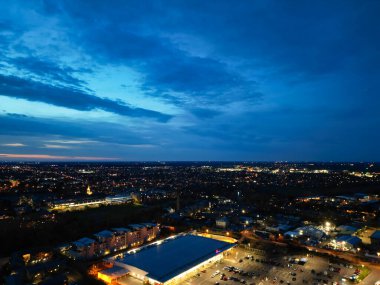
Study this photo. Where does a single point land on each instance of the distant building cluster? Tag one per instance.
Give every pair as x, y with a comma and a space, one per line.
36, 266
82, 203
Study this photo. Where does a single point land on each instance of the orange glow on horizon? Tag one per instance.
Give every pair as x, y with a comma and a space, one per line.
47, 156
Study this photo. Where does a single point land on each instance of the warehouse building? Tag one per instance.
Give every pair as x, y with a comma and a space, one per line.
168, 261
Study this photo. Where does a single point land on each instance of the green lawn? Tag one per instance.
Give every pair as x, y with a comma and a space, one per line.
364, 272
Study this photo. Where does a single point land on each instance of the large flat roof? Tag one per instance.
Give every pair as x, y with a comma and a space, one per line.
174, 256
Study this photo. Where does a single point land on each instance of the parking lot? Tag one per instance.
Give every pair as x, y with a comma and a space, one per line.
254, 267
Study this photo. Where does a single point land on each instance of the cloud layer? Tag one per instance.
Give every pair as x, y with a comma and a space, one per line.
190, 80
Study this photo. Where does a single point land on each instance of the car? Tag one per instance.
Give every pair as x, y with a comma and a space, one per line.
215, 273
353, 277
216, 283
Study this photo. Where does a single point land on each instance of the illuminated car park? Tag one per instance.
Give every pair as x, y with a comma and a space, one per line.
265, 273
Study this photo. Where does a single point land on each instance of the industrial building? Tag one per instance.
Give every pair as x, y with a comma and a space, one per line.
168, 261
87, 202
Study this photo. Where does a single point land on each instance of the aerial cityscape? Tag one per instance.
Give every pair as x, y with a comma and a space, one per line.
189, 142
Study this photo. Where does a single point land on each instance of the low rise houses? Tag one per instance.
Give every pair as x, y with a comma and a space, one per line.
83, 248
34, 267
222, 222
108, 241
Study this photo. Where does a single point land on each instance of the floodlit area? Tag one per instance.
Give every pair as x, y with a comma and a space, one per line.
244, 266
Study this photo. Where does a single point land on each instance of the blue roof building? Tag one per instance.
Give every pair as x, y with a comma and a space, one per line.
375, 240
172, 258
348, 242
376, 235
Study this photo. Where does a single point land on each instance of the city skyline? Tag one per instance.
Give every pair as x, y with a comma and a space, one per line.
188, 80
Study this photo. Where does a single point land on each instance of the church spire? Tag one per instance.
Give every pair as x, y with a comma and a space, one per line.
88, 191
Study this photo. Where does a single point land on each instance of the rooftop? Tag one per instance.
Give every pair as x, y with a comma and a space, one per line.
104, 234
136, 226
84, 242
115, 272
353, 240
179, 255
376, 235
121, 230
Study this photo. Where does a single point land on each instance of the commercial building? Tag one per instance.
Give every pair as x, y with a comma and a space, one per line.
306, 231
167, 262
346, 243
83, 203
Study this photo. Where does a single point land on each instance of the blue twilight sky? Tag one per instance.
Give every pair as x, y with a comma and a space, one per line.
190, 80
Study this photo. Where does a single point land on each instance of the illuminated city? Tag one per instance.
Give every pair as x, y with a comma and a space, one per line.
189, 142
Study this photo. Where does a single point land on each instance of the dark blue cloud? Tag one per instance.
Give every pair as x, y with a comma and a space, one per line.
17, 125
17, 87
47, 70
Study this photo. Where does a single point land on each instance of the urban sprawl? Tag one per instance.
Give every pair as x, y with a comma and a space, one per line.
190, 223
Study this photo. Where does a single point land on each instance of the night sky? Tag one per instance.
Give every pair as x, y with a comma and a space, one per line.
190, 80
